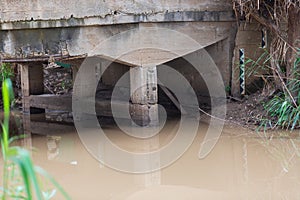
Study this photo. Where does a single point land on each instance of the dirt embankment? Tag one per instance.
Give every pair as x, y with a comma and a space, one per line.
247, 112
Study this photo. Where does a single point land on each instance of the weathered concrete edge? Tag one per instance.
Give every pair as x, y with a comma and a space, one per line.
180, 16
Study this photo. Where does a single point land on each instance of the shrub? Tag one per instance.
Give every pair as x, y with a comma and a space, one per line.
6, 71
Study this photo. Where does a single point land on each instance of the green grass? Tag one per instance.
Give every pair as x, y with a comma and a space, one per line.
20, 176
283, 112
283, 107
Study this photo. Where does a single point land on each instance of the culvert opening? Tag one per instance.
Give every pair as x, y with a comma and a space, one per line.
108, 84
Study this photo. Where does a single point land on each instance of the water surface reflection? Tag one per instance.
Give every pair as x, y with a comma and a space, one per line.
243, 165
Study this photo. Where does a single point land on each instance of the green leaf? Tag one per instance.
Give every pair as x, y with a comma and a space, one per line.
22, 158
52, 180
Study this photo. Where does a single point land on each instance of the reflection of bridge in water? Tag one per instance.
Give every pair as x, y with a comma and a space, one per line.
251, 166
32, 33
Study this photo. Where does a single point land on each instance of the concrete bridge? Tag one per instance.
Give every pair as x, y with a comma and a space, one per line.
32, 32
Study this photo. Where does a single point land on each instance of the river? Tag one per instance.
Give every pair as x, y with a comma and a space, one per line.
243, 165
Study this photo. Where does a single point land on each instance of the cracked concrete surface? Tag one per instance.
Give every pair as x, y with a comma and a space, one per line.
25, 10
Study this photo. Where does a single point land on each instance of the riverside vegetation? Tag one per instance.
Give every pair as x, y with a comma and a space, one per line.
21, 178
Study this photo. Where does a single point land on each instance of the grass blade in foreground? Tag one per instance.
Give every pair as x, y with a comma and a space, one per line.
19, 157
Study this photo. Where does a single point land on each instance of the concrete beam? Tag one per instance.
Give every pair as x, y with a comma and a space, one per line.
154, 43
179, 16
12, 11
64, 102
134, 47
102, 107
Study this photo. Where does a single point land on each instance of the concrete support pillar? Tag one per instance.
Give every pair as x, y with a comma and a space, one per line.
32, 78
32, 83
143, 89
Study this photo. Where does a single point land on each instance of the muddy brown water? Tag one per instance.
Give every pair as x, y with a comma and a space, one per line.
243, 165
